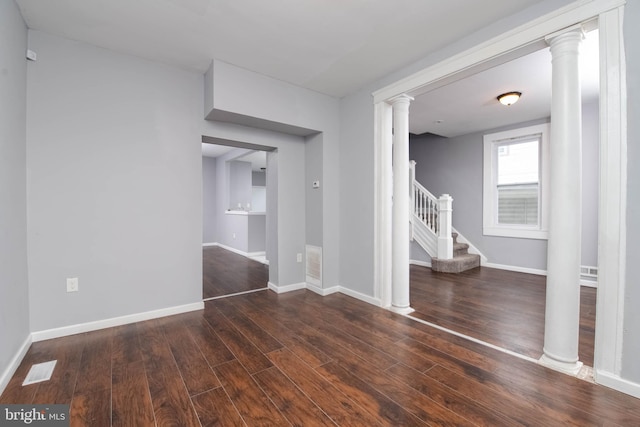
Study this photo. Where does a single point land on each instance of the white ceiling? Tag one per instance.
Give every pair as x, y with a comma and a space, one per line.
471, 105
258, 159
333, 47
214, 150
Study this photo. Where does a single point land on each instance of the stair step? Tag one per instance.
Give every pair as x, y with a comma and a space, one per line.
460, 249
456, 265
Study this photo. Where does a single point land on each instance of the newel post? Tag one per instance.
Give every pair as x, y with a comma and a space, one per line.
445, 241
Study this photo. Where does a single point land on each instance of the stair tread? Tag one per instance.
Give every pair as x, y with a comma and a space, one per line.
459, 257
457, 264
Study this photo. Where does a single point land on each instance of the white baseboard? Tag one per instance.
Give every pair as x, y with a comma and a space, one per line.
237, 251
324, 292
286, 288
114, 321
615, 382
420, 263
11, 369
516, 268
362, 297
234, 250
321, 291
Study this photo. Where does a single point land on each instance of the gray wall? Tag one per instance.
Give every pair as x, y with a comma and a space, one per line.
454, 166
356, 192
631, 343
239, 184
14, 292
313, 199
258, 179
229, 225
209, 212
115, 183
256, 233
590, 181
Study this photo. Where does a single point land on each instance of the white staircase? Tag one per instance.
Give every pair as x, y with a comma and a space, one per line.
431, 228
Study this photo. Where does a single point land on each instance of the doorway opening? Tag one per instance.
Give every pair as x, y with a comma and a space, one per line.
237, 201
612, 168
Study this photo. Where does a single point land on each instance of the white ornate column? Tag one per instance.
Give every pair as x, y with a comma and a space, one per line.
562, 316
401, 172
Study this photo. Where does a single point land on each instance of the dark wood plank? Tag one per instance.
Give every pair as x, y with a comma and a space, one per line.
243, 349
59, 390
91, 402
126, 348
91, 408
337, 405
226, 273
573, 394
543, 403
243, 323
195, 370
377, 404
169, 396
131, 402
214, 408
418, 404
294, 405
318, 360
212, 347
504, 308
301, 348
250, 401
458, 403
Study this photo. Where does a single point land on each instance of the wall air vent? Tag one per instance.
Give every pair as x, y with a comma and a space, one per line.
314, 265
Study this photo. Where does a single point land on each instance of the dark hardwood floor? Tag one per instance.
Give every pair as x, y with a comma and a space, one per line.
226, 273
305, 360
504, 308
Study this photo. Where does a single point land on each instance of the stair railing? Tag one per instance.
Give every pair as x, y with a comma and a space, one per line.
435, 213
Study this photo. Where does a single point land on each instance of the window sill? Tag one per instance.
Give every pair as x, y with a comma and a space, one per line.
516, 232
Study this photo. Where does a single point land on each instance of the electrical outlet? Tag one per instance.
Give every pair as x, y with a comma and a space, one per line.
234, 235
72, 284
299, 257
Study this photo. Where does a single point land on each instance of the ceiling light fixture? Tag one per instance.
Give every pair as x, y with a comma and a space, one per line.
509, 98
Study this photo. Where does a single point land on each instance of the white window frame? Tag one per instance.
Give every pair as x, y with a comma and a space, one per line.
490, 225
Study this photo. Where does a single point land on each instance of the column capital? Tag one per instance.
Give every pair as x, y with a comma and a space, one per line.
401, 99
575, 32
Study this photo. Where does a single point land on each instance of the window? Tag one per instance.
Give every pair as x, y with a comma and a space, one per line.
515, 179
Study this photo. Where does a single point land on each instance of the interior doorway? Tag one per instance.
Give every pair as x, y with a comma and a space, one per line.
235, 187
612, 168
504, 305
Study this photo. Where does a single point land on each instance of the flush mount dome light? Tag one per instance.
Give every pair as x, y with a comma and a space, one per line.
509, 98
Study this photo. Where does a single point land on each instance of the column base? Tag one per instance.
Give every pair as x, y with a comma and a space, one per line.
571, 368
401, 310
